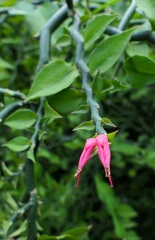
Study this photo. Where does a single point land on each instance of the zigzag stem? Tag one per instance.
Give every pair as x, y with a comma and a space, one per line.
9, 109
31, 192
11, 93
123, 24
85, 74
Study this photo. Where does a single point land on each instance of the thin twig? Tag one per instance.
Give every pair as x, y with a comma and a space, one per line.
137, 36
123, 24
9, 109
11, 93
127, 16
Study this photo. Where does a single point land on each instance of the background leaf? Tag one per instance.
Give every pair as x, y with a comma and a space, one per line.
66, 101
95, 28
50, 113
21, 119
53, 78
18, 144
107, 52
148, 9
138, 75
89, 125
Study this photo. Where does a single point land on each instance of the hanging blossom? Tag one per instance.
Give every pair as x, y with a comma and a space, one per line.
102, 145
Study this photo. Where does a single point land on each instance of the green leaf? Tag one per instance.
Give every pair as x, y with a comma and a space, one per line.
107, 122
127, 223
21, 119
6, 170
46, 237
20, 230
66, 101
131, 235
150, 159
11, 202
53, 78
107, 52
50, 113
112, 86
85, 126
6, 226
126, 211
61, 237
81, 109
40, 15
18, 144
21, 8
111, 135
97, 83
106, 195
141, 49
4, 64
138, 75
148, 7
104, 5
126, 148
116, 86
95, 28
78, 231
63, 41
30, 154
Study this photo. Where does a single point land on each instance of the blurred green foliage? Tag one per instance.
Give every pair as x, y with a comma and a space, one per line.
93, 210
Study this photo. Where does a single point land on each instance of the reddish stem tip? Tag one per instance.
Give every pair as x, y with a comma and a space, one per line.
110, 181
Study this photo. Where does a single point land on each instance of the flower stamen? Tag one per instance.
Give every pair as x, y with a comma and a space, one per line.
108, 174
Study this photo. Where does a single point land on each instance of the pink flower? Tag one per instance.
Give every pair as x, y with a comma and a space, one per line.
104, 154
85, 156
102, 145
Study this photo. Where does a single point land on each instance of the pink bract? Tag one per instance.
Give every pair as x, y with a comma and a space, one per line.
104, 154
85, 156
103, 149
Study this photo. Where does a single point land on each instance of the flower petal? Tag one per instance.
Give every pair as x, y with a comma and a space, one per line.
85, 156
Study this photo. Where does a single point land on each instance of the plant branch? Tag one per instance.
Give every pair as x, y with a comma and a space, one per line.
127, 16
20, 212
45, 36
85, 74
9, 109
11, 93
31, 192
123, 24
12, 175
70, 4
137, 36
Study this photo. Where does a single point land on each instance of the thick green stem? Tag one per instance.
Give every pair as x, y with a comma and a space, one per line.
31, 192
45, 36
123, 24
11, 93
127, 16
30, 189
85, 75
9, 109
